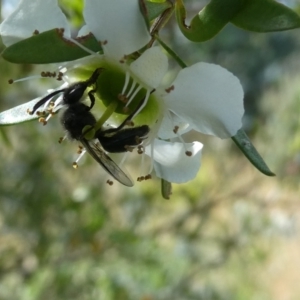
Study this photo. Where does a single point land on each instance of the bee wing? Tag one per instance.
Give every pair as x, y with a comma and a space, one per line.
106, 162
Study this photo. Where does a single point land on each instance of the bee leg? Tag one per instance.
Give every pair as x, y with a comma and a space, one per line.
92, 98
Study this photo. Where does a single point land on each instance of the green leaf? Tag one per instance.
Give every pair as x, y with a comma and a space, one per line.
155, 9
245, 145
49, 47
19, 114
265, 16
144, 12
209, 21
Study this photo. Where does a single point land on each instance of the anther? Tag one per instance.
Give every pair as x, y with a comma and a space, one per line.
75, 165
122, 60
141, 178
171, 88
43, 121
39, 113
59, 76
36, 32
10, 81
61, 139
175, 129
79, 151
122, 98
188, 153
147, 177
109, 182
140, 149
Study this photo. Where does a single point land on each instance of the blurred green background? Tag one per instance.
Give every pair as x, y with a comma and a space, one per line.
230, 234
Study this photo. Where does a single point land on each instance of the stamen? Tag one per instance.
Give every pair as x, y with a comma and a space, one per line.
48, 74
127, 77
80, 149
24, 79
140, 179
43, 121
175, 130
51, 114
147, 177
75, 163
140, 149
59, 76
134, 83
61, 139
171, 88
81, 46
38, 113
151, 158
133, 95
145, 101
142, 168
142, 164
188, 153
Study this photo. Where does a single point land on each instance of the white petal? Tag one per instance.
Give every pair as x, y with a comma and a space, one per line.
41, 15
119, 23
150, 67
209, 98
171, 162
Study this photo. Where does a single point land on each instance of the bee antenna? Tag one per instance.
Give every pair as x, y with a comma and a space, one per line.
44, 100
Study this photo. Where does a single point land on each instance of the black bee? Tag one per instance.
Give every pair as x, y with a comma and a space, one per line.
77, 116
74, 119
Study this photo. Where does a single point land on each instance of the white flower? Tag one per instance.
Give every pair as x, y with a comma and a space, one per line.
203, 97
210, 100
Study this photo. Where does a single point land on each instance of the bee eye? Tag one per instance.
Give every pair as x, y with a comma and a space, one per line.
74, 93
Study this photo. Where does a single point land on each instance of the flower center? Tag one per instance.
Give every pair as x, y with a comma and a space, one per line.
131, 98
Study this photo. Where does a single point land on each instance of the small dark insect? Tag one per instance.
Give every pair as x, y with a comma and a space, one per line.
73, 93
74, 119
120, 139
